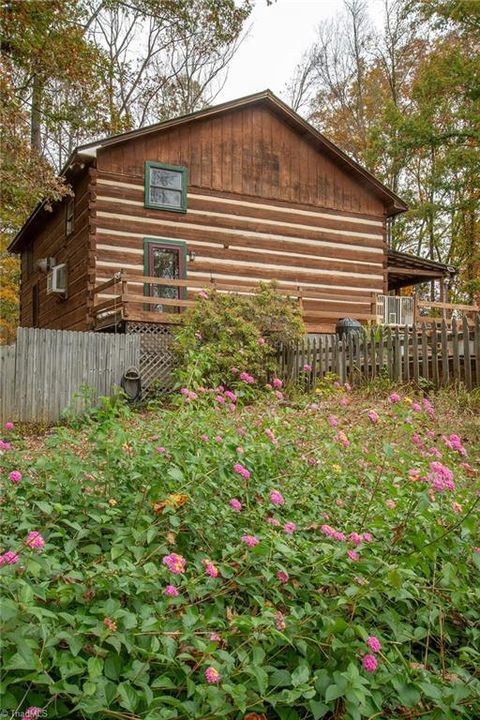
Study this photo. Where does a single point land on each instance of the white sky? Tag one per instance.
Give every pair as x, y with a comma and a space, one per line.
279, 35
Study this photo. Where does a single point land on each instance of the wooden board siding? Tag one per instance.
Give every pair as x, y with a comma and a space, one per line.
50, 241
248, 151
245, 239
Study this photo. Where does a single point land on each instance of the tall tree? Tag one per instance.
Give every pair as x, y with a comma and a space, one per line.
407, 108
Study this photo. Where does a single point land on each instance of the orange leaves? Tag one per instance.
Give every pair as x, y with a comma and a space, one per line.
177, 500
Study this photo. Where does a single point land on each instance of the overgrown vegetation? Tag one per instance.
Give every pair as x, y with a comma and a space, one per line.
223, 336
284, 560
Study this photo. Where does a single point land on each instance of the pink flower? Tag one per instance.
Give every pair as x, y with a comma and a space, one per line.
280, 623
416, 407
231, 396
250, 540
192, 395
289, 528
440, 477
332, 420
8, 426
204, 438
394, 397
199, 336
277, 383
342, 438
430, 434
353, 555
273, 521
355, 538
307, 368
278, 395
236, 505
171, 591
242, 471
373, 417
203, 295
214, 637
367, 537
282, 576
374, 644
241, 431
261, 341
4, 445
220, 399
32, 713
369, 663
240, 450
161, 450
277, 498
344, 402
15, 476
245, 377
453, 442
35, 540
271, 436
210, 568
234, 370
348, 387
175, 563
212, 676
9, 558
391, 504
218, 438
417, 440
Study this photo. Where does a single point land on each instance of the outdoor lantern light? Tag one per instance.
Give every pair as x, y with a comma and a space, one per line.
191, 255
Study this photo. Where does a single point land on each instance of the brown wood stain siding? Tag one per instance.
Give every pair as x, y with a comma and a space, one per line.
267, 159
244, 239
50, 241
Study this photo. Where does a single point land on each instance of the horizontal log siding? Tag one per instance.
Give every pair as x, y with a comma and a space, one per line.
244, 240
50, 241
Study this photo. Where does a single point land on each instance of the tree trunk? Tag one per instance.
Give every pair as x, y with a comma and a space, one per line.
36, 115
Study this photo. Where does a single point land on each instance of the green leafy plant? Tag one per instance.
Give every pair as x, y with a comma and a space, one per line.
225, 331
275, 561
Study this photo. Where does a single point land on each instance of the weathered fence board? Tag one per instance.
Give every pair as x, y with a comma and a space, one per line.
42, 374
440, 355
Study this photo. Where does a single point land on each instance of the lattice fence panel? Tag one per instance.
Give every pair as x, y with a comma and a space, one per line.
157, 360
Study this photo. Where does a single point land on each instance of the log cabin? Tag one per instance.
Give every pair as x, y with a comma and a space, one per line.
242, 192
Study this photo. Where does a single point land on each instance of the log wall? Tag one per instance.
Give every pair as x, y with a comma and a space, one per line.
50, 241
263, 204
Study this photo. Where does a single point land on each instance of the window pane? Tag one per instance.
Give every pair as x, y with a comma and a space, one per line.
172, 198
166, 178
165, 265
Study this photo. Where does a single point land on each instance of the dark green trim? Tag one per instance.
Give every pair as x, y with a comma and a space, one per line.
183, 265
149, 164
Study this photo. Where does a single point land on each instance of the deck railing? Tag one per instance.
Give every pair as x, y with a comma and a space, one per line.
131, 298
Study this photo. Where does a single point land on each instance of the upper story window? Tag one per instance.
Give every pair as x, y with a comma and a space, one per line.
69, 216
165, 187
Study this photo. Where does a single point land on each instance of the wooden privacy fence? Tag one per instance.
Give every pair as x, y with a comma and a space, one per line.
41, 374
437, 354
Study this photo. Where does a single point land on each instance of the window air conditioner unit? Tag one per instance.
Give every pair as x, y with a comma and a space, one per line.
57, 280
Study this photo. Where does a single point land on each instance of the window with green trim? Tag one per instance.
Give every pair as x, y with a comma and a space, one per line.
165, 186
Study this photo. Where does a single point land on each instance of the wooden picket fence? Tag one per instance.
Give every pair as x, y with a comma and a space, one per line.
437, 354
43, 373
